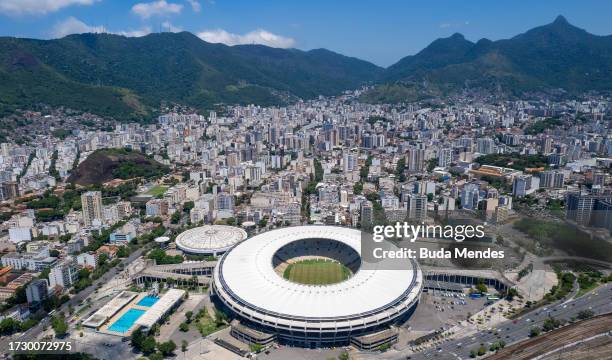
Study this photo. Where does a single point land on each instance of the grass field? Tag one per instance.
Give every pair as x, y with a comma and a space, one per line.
157, 190
316, 272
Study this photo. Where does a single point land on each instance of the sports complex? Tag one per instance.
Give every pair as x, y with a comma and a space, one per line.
210, 239
306, 286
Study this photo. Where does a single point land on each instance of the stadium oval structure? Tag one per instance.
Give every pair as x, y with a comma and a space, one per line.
210, 239
247, 282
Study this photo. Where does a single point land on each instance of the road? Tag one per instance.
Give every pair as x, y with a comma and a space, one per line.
598, 300
74, 301
553, 342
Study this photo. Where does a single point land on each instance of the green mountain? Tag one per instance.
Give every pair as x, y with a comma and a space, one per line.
554, 56
128, 77
125, 77
440, 53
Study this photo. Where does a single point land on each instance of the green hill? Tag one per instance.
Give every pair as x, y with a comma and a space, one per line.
107, 164
125, 77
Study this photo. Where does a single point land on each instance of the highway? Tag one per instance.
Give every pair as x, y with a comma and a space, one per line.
598, 300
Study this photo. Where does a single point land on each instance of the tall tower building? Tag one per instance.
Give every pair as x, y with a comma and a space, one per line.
416, 207
416, 159
445, 157
91, 203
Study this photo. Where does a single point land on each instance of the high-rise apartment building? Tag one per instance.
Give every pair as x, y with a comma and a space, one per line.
91, 202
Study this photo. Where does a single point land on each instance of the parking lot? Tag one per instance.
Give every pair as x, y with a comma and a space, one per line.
438, 309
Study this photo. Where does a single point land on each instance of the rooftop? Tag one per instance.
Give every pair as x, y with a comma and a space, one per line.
210, 238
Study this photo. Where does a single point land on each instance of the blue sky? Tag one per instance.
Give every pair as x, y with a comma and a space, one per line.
378, 31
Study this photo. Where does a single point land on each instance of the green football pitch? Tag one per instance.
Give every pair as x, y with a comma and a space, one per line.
316, 272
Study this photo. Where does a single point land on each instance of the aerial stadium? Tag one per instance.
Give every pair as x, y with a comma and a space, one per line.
306, 286
209, 239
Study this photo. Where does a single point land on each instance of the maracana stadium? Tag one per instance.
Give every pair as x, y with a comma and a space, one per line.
305, 286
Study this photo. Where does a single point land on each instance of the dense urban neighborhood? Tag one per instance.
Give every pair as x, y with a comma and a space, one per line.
164, 195
80, 203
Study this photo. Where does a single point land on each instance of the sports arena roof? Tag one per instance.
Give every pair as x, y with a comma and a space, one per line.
246, 280
210, 239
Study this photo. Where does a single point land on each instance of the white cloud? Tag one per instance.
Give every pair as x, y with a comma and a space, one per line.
195, 5
146, 30
39, 7
73, 25
156, 8
167, 25
258, 36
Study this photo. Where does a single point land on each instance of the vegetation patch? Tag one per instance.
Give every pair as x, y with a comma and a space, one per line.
513, 161
107, 164
565, 237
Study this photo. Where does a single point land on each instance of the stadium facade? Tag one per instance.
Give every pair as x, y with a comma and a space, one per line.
362, 309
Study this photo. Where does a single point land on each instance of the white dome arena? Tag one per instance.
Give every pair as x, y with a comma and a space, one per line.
210, 239
247, 281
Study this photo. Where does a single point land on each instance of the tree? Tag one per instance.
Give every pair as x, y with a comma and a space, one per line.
585, 314
399, 169
482, 350
357, 188
167, 348
189, 315
102, 259
184, 327
148, 345
60, 326
550, 324
156, 356
481, 287
534, 331
137, 339
344, 356
123, 252
183, 346
9, 326
188, 205
175, 218
512, 292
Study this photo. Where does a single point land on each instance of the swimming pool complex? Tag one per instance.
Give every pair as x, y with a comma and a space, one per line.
125, 322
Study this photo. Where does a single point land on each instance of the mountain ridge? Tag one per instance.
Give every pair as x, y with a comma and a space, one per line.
127, 78
136, 74
557, 55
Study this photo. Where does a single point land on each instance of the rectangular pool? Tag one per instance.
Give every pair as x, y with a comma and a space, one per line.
125, 322
147, 301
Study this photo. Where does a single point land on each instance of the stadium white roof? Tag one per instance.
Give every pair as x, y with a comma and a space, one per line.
248, 275
160, 308
210, 239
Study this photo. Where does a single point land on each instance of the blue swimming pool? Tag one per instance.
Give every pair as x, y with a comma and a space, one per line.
125, 322
147, 301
